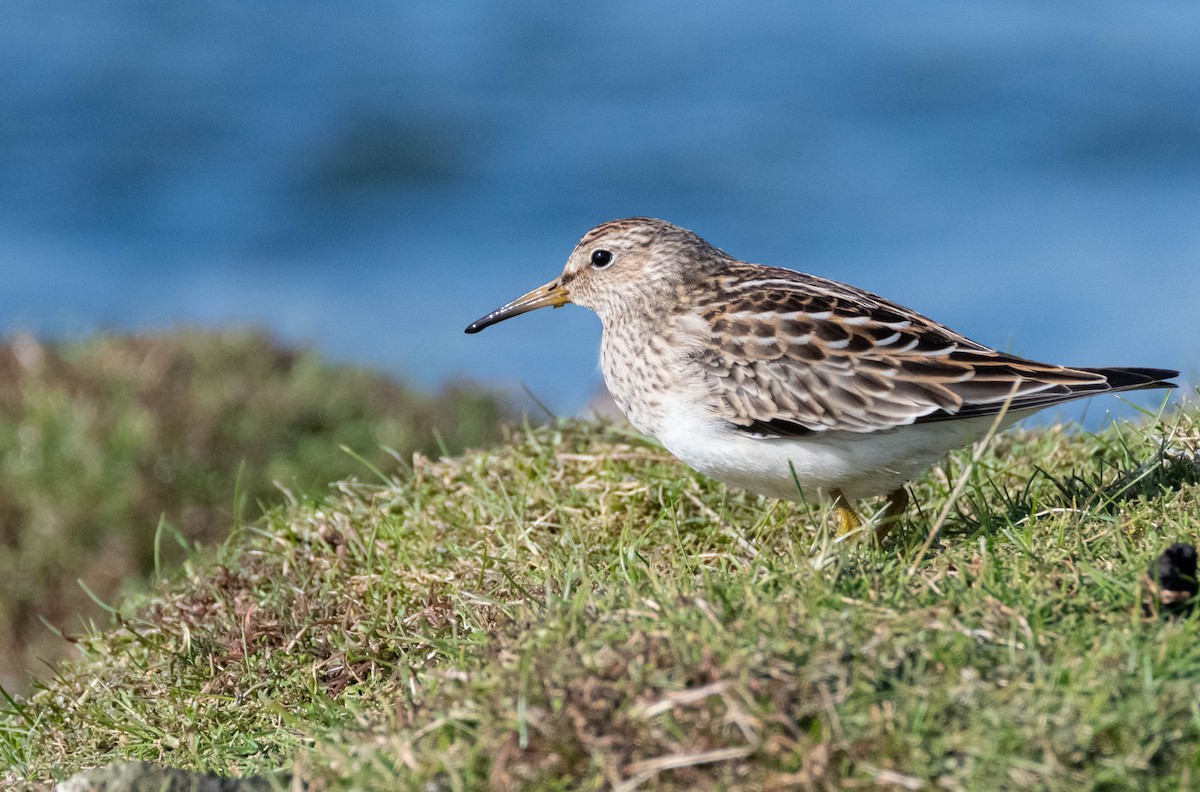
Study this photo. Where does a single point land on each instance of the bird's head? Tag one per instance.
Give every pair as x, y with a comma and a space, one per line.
638, 264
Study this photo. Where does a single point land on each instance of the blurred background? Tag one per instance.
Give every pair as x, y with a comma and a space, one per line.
365, 179
369, 177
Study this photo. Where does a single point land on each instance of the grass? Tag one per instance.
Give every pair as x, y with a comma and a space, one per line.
117, 450
576, 610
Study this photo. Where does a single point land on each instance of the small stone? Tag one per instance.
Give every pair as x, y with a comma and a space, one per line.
139, 776
1174, 576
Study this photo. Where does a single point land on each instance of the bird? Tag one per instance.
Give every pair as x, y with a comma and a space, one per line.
791, 385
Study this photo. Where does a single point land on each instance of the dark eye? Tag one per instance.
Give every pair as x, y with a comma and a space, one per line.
601, 258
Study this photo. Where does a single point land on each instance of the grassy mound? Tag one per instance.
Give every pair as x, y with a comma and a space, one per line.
100, 439
578, 611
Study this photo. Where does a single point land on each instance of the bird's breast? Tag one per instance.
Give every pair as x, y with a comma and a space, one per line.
650, 375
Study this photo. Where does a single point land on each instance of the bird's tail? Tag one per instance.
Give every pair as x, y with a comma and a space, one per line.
1121, 378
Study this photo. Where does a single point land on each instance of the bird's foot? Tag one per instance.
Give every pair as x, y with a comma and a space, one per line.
848, 519
893, 512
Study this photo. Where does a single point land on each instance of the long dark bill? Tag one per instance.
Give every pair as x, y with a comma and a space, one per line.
553, 294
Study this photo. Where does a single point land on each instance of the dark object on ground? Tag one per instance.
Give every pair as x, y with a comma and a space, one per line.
138, 776
1173, 576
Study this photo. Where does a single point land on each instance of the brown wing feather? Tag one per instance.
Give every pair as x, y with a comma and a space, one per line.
793, 354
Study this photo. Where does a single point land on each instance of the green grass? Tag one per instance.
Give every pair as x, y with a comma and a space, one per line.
102, 438
576, 610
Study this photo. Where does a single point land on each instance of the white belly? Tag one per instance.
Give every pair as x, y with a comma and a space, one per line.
861, 465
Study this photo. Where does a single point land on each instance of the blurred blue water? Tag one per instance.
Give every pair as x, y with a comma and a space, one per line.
371, 177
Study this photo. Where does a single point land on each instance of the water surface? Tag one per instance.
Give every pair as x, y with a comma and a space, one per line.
370, 178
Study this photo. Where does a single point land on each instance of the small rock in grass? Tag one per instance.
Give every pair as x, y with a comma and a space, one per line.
1173, 577
139, 776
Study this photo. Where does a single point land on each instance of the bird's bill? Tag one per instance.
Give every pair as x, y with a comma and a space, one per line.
553, 294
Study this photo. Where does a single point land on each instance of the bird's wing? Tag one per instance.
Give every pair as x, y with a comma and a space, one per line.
790, 354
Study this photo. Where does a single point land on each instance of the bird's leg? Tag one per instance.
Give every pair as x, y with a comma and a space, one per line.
847, 520
897, 503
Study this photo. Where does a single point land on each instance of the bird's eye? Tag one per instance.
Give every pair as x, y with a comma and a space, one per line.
601, 258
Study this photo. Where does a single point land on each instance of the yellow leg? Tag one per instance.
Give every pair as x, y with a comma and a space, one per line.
897, 503
847, 520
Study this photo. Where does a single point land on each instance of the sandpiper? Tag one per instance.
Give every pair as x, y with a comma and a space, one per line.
787, 384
